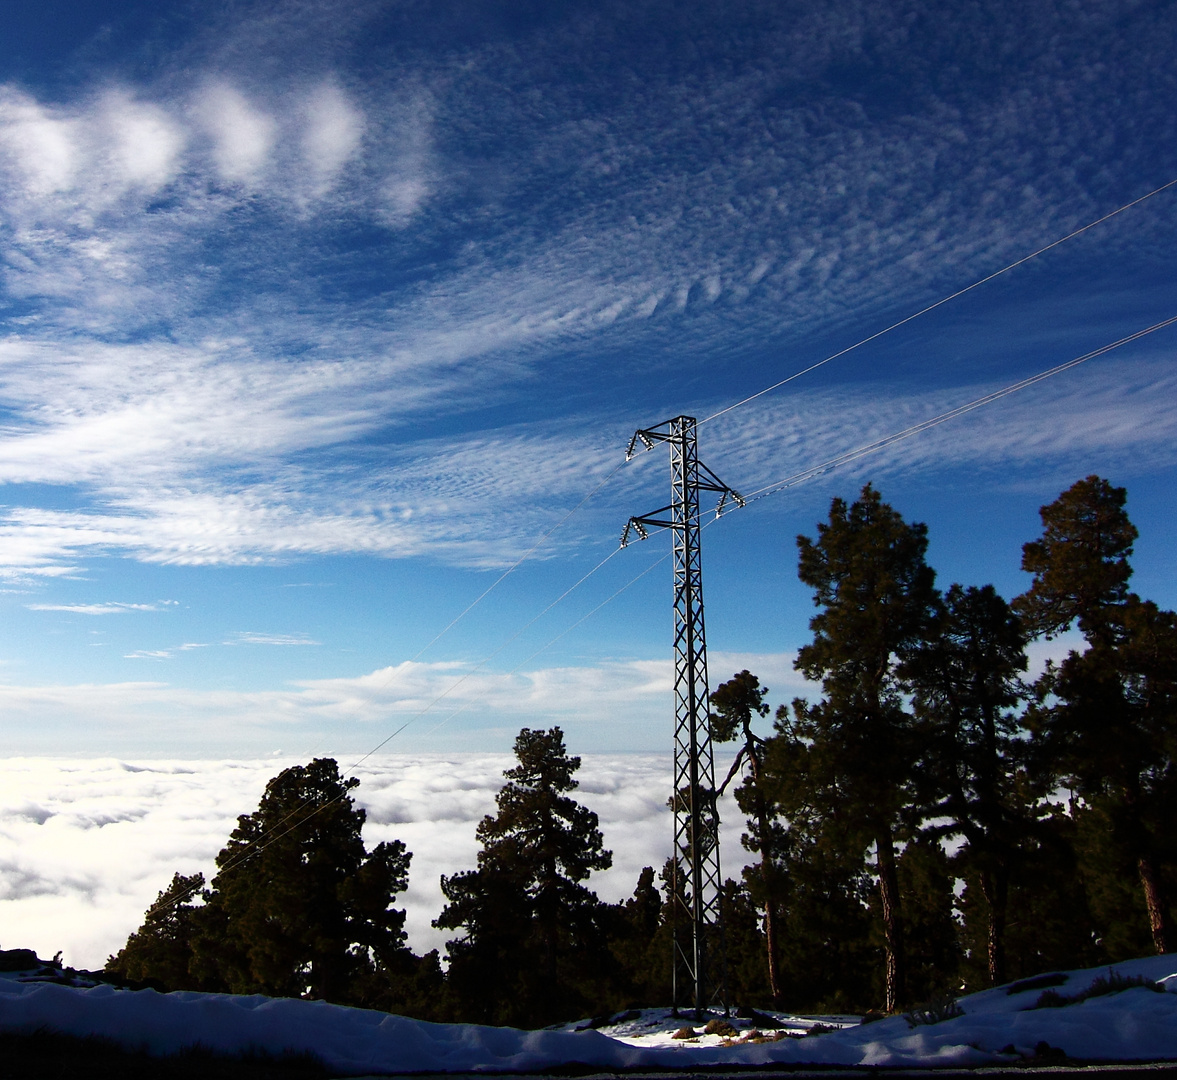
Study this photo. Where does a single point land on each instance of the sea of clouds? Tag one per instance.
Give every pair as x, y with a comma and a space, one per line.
87, 844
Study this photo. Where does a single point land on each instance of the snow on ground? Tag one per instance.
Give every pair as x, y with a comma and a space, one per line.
1136, 1023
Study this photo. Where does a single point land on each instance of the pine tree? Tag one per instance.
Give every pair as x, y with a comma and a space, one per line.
744, 947
299, 907
736, 702
966, 684
1080, 565
877, 600
533, 946
926, 880
1049, 919
1107, 717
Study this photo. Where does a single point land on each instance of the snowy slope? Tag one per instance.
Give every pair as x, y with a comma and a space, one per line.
1136, 1024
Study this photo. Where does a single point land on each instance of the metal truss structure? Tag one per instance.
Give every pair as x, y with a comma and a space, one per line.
699, 965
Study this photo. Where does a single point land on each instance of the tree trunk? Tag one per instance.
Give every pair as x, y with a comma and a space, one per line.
1156, 907
995, 888
770, 926
892, 919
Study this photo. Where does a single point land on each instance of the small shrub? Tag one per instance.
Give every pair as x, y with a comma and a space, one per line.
758, 1036
1039, 982
685, 1033
720, 1027
820, 1029
936, 1011
1111, 983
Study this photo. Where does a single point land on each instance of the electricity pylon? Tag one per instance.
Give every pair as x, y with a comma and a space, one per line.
699, 965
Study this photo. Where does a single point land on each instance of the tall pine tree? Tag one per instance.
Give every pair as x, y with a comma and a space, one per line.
1107, 716
877, 602
966, 682
299, 907
533, 947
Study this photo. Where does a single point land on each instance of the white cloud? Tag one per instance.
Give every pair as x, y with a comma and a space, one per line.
243, 135
1111, 413
443, 705
41, 145
114, 608
145, 142
248, 638
332, 133
185, 454
85, 845
208, 442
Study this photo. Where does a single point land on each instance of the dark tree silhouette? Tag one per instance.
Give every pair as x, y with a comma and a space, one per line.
877, 600
532, 941
1080, 565
298, 908
966, 684
1107, 717
735, 703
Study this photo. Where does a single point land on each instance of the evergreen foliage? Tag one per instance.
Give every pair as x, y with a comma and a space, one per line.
638, 932
534, 948
966, 683
877, 603
1080, 565
926, 739
160, 951
1106, 718
299, 908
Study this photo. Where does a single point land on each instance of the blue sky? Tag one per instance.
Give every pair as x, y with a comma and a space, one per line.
317, 316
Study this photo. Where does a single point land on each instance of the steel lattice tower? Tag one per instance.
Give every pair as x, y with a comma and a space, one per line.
699, 967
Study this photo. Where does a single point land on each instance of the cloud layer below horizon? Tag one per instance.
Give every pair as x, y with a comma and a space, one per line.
86, 845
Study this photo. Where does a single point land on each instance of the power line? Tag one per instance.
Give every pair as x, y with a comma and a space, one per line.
939, 303
753, 496
951, 414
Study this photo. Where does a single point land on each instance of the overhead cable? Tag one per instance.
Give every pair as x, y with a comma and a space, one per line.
940, 303
951, 414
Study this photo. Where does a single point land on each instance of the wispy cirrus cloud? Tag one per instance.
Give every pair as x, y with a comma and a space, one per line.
483, 498
246, 637
115, 608
218, 378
